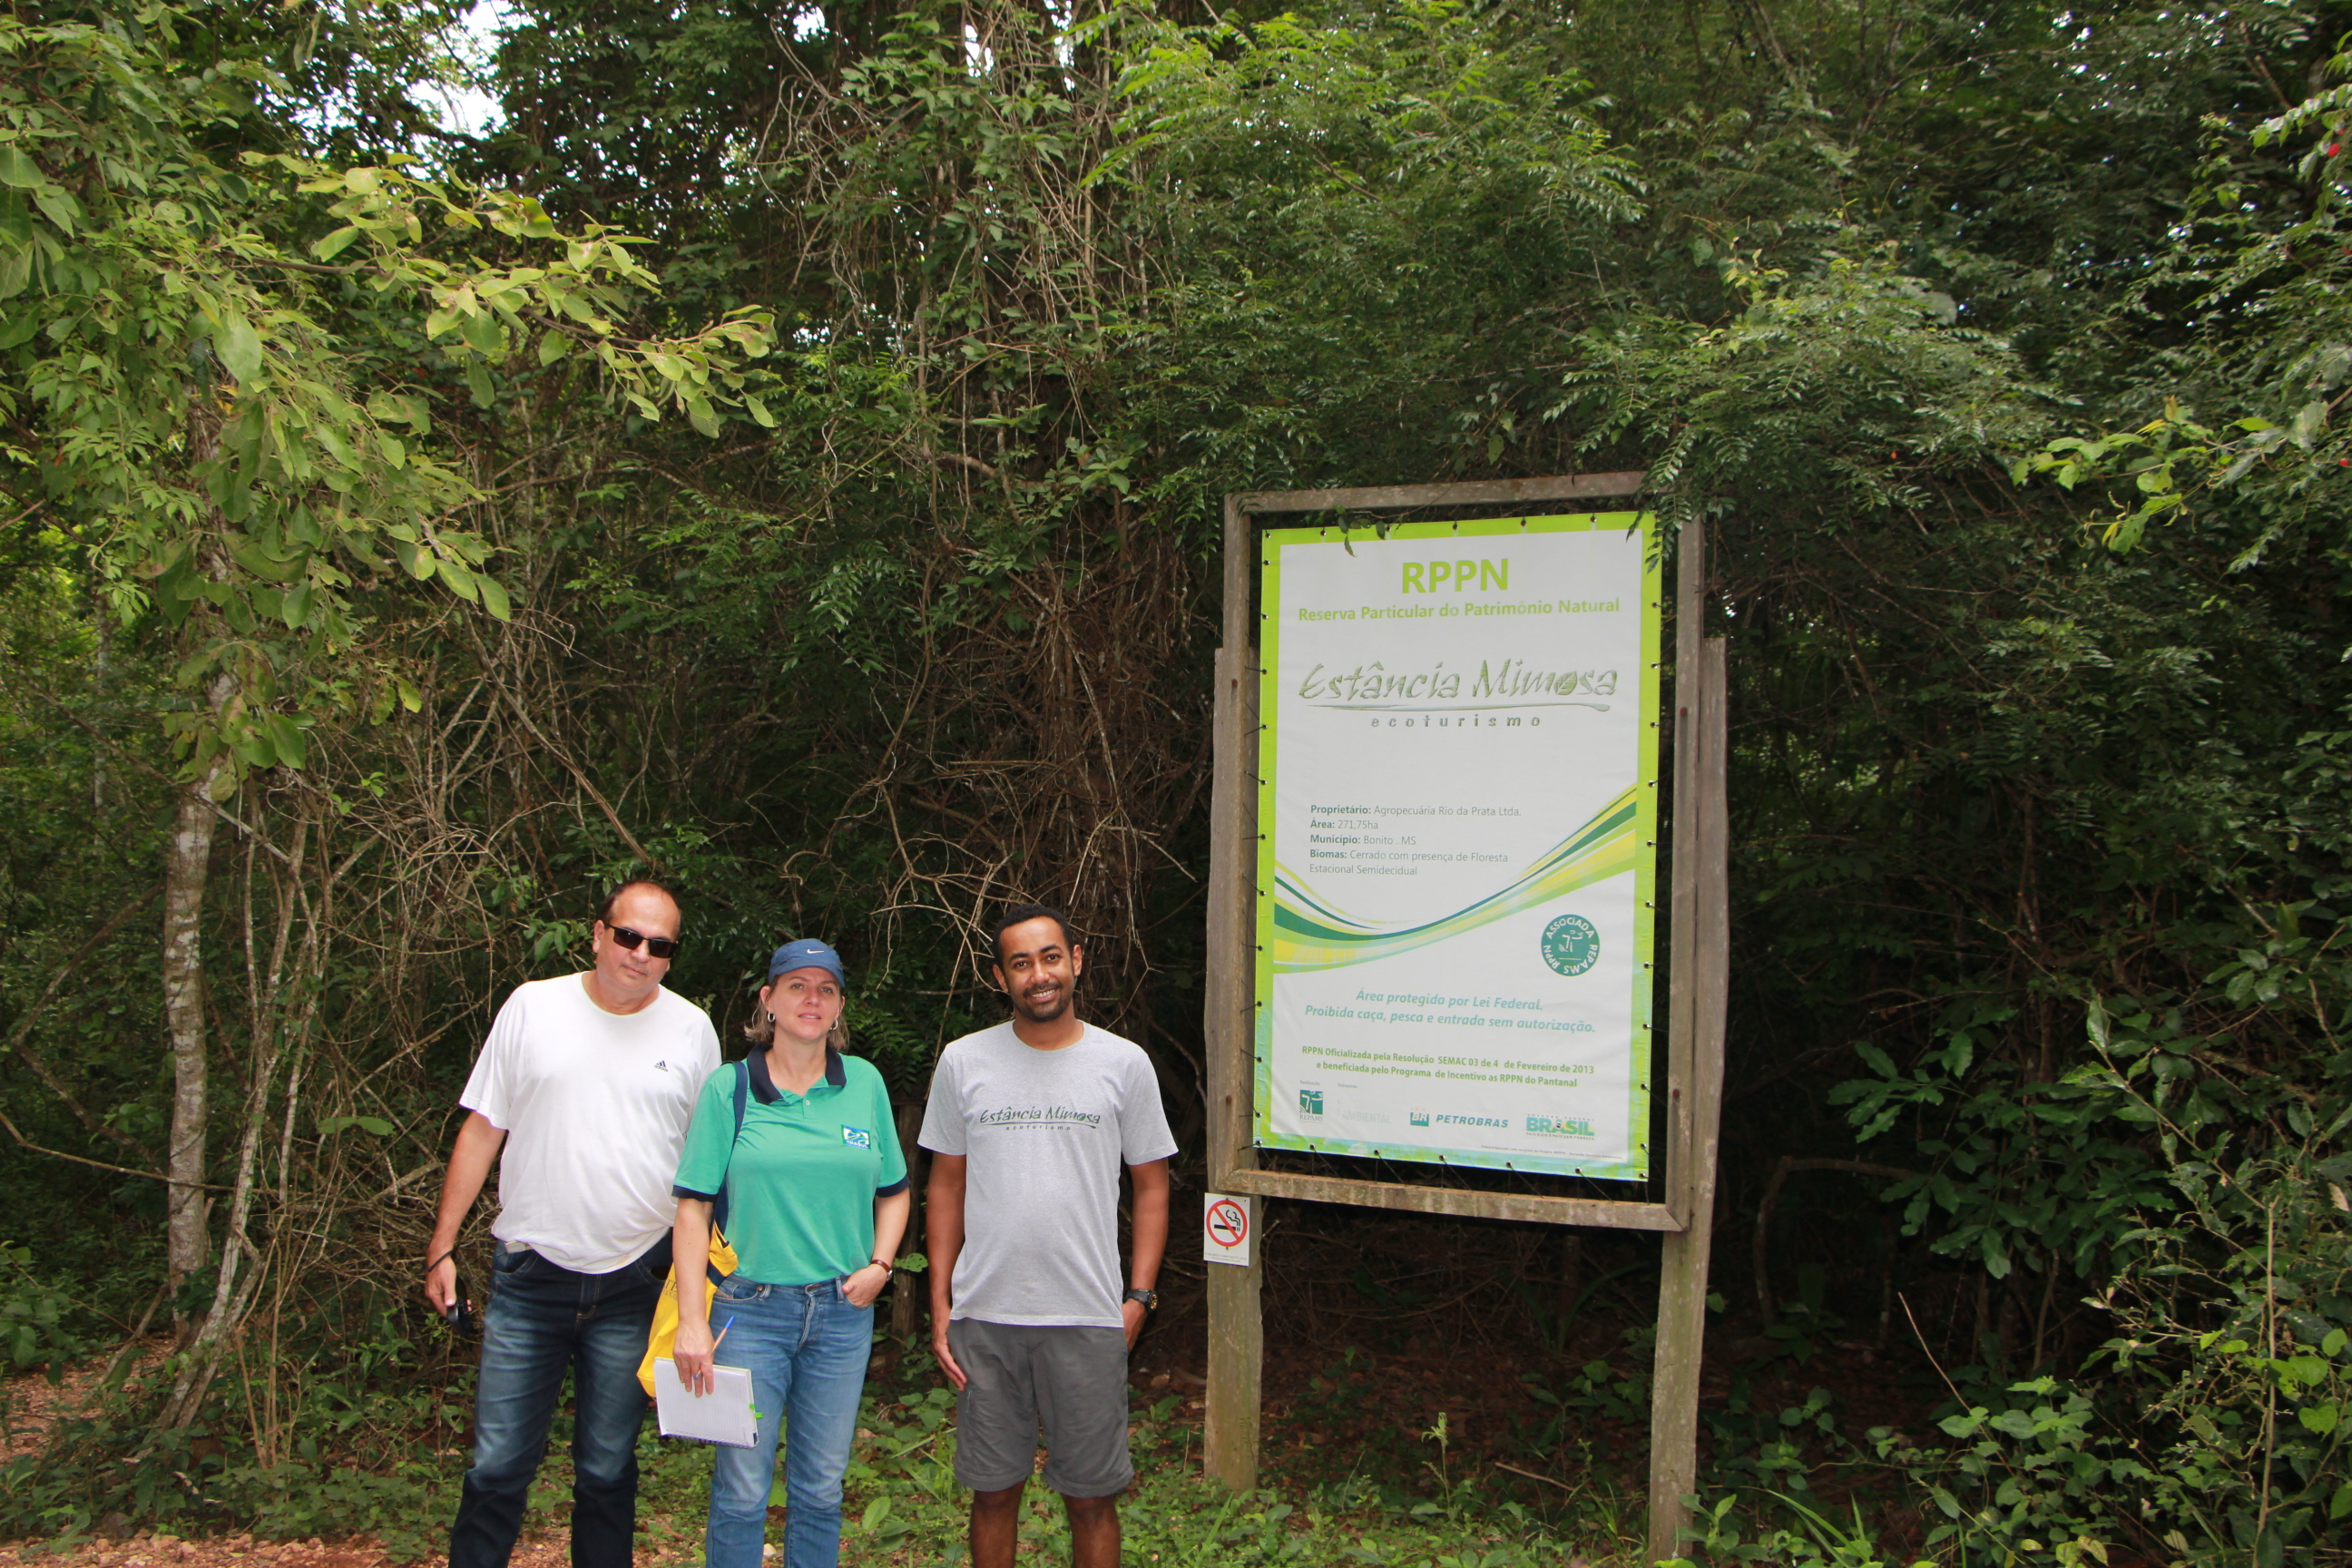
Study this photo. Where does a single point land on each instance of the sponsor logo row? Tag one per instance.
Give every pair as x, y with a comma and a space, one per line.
1310, 1103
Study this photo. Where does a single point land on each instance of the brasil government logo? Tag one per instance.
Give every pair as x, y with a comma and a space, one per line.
1571, 945
1560, 1127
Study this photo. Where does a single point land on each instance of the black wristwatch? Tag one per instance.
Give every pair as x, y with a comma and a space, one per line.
1151, 1299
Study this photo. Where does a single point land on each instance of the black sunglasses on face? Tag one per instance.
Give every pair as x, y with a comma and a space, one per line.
656, 946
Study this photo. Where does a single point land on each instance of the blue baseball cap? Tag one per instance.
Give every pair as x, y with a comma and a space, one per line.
807, 953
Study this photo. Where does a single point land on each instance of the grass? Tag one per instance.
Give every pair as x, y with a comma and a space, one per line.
904, 1510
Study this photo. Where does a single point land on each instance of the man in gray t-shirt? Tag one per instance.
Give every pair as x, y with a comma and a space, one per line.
1028, 1125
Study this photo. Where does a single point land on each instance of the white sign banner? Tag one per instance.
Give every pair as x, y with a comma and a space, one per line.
1458, 818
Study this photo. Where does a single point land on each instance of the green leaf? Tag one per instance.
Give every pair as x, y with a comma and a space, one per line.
269, 567
2319, 1419
698, 410
61, 208
413, 558
494, 596
330, 1125
17, 170
328, 248
459, 581
295, 608
239, 348
482, 335
2308, 423
287, 737
759, 412
395, 408
552, 346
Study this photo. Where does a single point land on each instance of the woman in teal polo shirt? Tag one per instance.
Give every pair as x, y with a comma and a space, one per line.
817, 1195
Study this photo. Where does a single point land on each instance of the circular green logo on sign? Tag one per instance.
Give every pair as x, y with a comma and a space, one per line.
1571, 946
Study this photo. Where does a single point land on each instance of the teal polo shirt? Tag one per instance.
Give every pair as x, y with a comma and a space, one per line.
803, 1176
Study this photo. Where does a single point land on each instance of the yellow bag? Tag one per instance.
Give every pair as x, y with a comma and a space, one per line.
717, 1266
664, 1340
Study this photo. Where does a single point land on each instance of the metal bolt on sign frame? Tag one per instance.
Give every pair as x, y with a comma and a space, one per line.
1698, 949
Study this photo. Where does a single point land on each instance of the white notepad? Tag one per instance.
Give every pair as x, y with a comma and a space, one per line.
725, 1415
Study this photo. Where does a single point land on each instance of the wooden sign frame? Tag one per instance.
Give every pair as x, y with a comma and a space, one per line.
1698, 950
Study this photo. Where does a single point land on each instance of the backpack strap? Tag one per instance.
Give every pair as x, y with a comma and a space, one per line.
719, 1204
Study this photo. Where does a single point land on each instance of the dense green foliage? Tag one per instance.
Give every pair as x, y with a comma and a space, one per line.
2001, 349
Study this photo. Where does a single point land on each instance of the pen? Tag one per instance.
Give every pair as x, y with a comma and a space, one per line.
722, 1334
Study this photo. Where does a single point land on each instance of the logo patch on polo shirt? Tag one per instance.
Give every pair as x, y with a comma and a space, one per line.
857, 1137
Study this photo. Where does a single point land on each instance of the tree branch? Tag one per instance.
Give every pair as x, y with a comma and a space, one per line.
19, 1038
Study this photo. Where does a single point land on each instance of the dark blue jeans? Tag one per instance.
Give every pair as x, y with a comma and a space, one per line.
543, 1319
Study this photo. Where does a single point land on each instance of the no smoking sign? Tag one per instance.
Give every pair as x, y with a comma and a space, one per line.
1227, 1227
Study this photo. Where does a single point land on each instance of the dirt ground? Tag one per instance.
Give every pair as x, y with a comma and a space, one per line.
32, 1404
543, 1549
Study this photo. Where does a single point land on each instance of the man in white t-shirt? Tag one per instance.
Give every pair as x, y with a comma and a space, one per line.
1028, 1125
586, 1085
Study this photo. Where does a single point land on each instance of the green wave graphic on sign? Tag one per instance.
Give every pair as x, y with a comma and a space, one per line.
1309, 934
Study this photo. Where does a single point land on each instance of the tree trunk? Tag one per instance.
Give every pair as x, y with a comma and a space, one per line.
186, 865
910, 1294
283, 1004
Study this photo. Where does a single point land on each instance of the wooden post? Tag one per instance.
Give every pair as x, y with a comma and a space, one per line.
1701, 937
1236, 1327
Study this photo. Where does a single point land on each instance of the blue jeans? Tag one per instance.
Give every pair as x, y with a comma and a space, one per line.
543, 1319
806, 1347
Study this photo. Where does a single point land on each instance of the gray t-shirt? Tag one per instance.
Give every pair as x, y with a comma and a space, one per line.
1043, 1133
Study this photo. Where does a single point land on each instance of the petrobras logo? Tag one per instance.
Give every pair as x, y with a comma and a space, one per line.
1440, 1119
1311, 1101
857, 1137
1560, 1127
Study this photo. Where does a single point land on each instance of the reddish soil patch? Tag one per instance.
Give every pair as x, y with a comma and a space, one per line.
31, 1405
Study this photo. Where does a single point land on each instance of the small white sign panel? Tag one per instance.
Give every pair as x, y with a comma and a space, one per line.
1228, 1228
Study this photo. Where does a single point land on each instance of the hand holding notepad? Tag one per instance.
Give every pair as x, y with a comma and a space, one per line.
726, 1414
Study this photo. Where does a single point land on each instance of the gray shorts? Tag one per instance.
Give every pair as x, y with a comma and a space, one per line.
1071, 1378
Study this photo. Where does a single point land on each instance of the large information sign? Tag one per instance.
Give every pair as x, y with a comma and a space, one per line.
1458, 843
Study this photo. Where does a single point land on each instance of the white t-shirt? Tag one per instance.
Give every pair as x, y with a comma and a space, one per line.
1044, 1134
594, 1107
